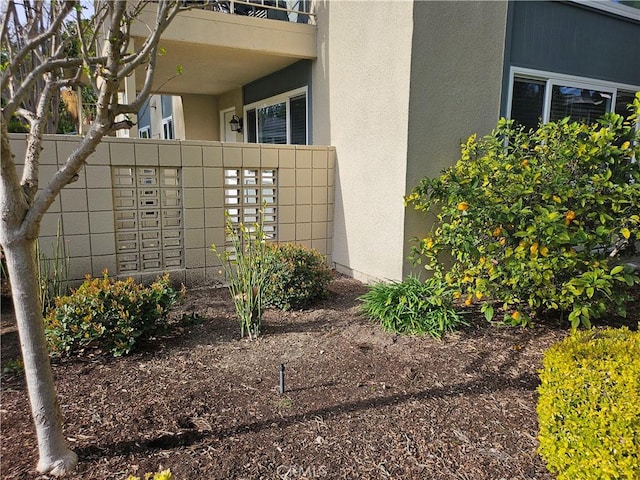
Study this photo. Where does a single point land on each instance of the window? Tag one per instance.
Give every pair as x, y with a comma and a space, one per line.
541, 97
144, 132
527, 102
581, 104
167, 128
279, 120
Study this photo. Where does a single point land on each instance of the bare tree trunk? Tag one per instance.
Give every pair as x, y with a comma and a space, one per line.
55, 456
44, 33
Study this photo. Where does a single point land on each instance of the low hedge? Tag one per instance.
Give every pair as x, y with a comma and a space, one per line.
589, 406
299, 277
110, 314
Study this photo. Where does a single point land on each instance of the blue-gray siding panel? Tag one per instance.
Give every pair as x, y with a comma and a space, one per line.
289, 78
568, 38
294, 76
144, 115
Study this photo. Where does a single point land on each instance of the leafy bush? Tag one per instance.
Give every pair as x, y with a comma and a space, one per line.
300, 276
589, 406
111, 314
532, 219
247, 264
163, 475
412, 307
13, 367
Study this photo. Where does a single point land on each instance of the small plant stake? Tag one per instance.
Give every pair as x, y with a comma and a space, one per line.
282, 379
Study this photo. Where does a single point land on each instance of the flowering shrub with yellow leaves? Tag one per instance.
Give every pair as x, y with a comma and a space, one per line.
589, 405
534, 220
163, 475
110, 314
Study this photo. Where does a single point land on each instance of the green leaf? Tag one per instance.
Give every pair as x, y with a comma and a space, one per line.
488, 311
617, 269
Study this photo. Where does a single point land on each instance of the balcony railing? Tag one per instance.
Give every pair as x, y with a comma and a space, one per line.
296, 11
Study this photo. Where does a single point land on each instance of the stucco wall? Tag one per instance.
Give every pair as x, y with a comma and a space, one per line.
232, 99
456, 76
360, 105
201, 117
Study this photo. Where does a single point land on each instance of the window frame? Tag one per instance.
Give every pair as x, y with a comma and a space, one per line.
274, 100
146, 129
168, 121
615, 8
552, 79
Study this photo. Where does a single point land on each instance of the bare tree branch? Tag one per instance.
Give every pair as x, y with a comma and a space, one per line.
35, 42
38, 42
163, 18
34, 141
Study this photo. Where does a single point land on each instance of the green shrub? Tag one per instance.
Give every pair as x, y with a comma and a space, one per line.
110, 314
299, 277
531, 219
247, 263
53, 272
589, 406
412, 307
160, 475
13, 367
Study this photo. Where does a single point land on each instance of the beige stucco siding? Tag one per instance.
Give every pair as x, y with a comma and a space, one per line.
456, 76
201, 117
360, 105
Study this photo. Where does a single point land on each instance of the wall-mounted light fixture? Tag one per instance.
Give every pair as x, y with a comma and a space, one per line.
236, 124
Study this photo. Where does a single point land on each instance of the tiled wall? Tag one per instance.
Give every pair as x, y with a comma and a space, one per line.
84, 211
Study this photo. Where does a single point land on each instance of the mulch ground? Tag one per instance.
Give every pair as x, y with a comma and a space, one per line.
359, 403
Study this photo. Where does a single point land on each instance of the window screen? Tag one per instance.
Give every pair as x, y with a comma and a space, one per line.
527, 102
623, 100
298, 114
250, 123
581, 104
272, 124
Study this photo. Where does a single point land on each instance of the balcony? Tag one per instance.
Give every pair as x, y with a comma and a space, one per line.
296, 11
222, 45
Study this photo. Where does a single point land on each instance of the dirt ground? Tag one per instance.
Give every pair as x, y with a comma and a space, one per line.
359, 403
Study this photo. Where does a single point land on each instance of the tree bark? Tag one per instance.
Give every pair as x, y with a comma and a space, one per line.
23, 202
55, 457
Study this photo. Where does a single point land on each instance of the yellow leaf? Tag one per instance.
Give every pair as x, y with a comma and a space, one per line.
625, 233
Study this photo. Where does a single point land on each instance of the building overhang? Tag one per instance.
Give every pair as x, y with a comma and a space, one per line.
218, 52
